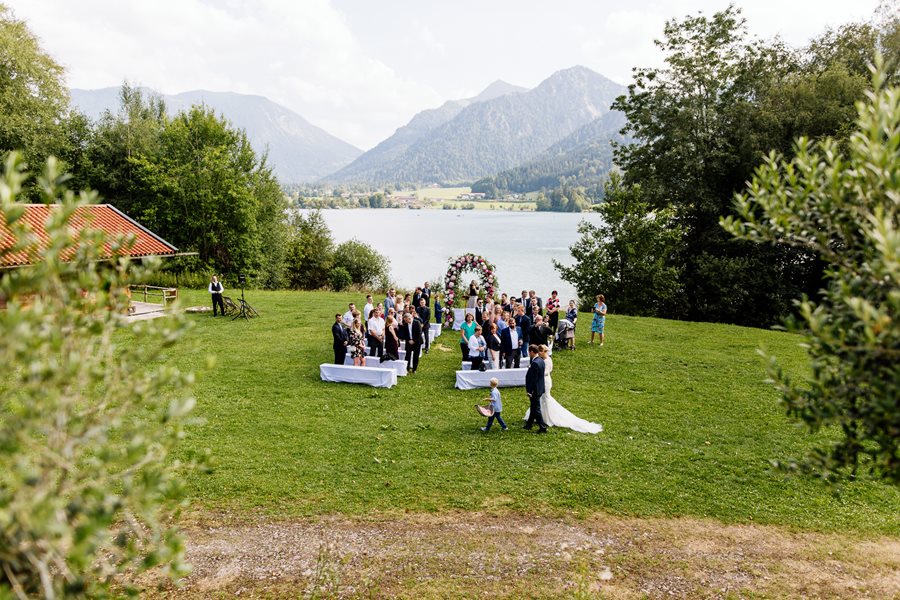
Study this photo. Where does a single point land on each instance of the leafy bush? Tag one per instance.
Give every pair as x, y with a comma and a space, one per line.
87, 485
845, 209
339, 279
310, 250
364, 264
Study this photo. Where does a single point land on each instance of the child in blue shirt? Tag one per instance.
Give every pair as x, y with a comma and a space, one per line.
496, 405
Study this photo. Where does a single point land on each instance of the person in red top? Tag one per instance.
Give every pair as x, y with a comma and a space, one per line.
553, 310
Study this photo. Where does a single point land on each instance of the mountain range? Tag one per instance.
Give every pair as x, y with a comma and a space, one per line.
298, 150
502, 128
506, 138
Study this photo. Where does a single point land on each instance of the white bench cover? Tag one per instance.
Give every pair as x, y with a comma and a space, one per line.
376, 377
470, 380
373, 362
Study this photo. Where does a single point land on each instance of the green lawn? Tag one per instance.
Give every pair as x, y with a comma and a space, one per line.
689, 428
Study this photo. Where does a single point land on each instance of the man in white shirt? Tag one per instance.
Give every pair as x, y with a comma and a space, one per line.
376, 334
347, 319
369, 307
215, 289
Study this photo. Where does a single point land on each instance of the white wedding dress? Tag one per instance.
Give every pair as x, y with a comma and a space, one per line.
555, 414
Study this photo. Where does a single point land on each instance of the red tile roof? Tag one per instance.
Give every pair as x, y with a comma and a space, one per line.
99, 216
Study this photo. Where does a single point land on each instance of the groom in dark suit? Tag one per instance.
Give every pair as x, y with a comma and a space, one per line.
534, 387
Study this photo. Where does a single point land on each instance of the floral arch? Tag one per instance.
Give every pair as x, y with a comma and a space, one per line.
467, 262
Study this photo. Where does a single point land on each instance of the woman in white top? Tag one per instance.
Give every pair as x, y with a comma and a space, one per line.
555, 414
477, 349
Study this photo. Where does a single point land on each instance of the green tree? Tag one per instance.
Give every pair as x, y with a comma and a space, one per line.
310, 251
88, 487
705, 121
846, 209
628, 258
365, 265
34, 100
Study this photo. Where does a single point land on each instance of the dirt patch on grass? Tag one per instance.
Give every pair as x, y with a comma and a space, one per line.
516, 556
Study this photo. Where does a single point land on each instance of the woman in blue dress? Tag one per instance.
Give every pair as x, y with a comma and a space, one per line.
599, 321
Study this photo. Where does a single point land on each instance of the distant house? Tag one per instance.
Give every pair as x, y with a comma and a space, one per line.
105, 217
405, 200
472, 196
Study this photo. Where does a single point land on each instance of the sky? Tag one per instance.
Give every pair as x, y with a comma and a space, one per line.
362, 68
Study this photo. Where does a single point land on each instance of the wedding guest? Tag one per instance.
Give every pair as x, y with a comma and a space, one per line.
425, 315
356, 343
553, 310
572, 317
540, 333
477, 349
536, 303
411, 333
391, 341
496, 406
400, 305
511, 344
368, 307
341, 339
417, 294
215, 291
389, 300
376, 333
438, 310
479, 310
502, 321
426, 293
348, 316
465, 332
524, 299
489, 304
504, 302
523, 321
493, 345
473, 295
599, 322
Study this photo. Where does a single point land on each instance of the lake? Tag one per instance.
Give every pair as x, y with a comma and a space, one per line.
420, 243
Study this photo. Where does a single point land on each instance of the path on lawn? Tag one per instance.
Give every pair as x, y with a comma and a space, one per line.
514, 555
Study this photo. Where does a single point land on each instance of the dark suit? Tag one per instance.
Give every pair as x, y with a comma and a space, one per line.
511, 355
426, 293
534, 387
524, 324
340, 343
531, 302
412, 334
540, 334
425, 316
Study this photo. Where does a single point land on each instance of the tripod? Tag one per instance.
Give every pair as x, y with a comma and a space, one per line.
245, 310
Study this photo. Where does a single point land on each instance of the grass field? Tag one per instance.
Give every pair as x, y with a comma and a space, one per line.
689, 429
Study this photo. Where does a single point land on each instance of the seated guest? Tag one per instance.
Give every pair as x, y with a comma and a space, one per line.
425, 316
524, 323
511, 344
391, 341
466, 329
494, 345
341, 339
356, 343
348, 316
411, 333
368, 308
477, 349
376, 333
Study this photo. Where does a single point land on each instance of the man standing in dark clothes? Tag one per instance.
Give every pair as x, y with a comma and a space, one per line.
425, 316
341, 339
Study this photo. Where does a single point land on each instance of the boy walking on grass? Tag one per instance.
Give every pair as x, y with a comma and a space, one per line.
496, 405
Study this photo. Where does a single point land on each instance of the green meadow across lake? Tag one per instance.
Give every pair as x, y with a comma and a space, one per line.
689, 428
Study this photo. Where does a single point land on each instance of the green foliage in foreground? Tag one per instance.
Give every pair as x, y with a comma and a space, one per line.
87, 488
846, 210
690, 427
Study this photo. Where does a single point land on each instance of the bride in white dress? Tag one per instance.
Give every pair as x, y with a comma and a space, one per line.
555, 414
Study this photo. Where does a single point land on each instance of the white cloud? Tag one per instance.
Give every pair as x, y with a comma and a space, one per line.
359, 68
300, 54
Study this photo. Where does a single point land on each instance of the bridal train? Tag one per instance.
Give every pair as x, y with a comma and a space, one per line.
555, 414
